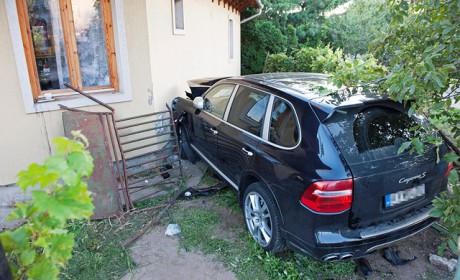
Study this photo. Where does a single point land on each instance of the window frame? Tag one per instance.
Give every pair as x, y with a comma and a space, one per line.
71, 99
177, 31
68, 27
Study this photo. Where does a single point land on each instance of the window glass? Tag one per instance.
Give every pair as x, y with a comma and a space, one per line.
90, 35
373, 133
283, 125
72, 42
248, 110
48, 40
230, 39
179, 15
380, 127
217, 99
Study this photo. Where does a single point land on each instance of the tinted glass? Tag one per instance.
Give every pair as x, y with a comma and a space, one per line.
283, 125
217, 99
371, 134
377, 128
248, 110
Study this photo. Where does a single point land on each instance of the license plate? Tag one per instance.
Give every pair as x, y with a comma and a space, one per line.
397, 198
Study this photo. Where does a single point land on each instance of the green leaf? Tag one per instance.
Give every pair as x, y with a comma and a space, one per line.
436, 213
35, 174
56, 164
404, 146
451, 157
418, 145
66, 203
27, 257
453, 246
61, 248
411, 111
442, 248
453, 177
43, 270
65, 146
81, 162
13, 240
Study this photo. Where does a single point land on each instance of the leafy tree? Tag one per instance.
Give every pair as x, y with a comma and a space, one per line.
42, 246
279, 62
258, 39
421, 46
354, 30
282, 25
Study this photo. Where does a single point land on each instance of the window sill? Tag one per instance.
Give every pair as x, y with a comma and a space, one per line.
75, 100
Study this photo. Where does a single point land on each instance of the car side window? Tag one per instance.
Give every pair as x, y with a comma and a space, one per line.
248, 110
283, 126
217, 99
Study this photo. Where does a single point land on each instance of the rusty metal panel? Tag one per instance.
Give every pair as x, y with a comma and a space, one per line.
102, 182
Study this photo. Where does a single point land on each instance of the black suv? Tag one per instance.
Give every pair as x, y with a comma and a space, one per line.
316, 170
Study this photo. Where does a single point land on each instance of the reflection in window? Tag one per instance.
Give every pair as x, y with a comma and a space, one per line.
376, 128
283, 126
48, 40
90, 35
217, 99
248, 110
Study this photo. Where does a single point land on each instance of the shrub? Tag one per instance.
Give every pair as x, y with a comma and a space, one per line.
279, 62
42, 246
447, 207
303, 59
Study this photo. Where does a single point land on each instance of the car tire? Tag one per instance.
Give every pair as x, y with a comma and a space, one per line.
185, 150
263, 219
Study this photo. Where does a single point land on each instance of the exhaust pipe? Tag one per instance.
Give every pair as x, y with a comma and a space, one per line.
337, 257
330, 258
346, 256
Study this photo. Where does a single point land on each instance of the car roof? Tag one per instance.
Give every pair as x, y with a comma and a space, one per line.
314, 88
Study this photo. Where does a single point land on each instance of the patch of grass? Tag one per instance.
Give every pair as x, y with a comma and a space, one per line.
227, 198
243, 255
208, 178
97, 253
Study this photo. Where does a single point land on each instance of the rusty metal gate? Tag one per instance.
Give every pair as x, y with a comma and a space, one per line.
150, 154
144, 151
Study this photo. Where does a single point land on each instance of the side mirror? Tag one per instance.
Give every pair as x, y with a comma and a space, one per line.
198, 103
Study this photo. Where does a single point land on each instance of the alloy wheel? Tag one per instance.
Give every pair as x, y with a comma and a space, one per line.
258, 218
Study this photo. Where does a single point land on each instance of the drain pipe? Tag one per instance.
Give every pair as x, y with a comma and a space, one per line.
261, 7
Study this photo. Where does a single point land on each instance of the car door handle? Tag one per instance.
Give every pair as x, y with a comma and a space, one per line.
249, 153
214, 131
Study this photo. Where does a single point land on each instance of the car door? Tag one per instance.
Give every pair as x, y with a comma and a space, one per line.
240, 134
207, 121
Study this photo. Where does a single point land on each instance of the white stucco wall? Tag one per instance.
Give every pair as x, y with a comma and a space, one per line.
203, 51
159, 65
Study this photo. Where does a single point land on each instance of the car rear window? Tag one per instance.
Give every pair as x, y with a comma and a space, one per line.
370, 134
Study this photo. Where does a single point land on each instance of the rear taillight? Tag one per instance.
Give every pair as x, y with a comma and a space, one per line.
450, 165
329, 196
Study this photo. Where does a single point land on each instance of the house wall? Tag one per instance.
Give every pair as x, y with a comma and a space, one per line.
25, 138
203, 51
159, 65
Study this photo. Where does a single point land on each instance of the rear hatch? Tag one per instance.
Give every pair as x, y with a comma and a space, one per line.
387, 185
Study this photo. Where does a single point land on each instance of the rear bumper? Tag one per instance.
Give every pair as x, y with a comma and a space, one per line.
342, 244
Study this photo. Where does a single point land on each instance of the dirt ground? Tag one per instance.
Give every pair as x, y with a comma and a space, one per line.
161, 257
